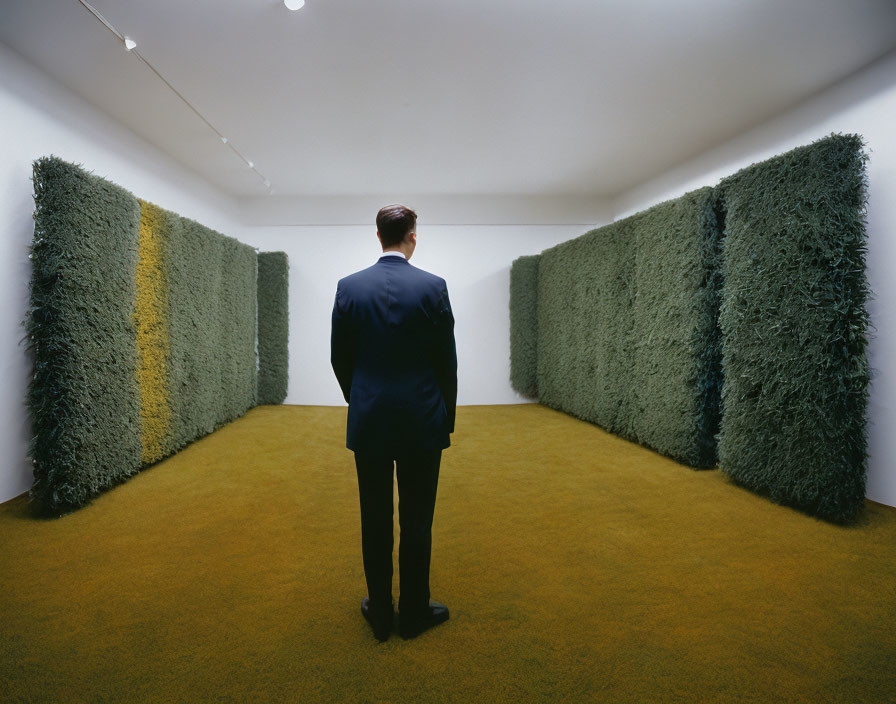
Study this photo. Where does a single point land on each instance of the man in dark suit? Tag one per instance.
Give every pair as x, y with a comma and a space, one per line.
393, 352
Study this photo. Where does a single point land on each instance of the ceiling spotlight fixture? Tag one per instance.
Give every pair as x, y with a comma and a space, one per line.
130, 45
294, 4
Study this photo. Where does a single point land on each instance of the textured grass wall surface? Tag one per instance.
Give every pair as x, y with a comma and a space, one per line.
273, 327
143, 329
584, 318
625, 316
152, 321
85, 404
523, 325
212, 290
676, 348
794, 327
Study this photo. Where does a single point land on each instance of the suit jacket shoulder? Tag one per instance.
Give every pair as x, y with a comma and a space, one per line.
357, 281
346, 282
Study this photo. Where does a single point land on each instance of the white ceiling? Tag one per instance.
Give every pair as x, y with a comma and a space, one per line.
350, 97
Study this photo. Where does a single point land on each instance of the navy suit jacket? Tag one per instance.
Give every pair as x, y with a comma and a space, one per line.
393, 352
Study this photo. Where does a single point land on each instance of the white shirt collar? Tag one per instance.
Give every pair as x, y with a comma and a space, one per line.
393, 254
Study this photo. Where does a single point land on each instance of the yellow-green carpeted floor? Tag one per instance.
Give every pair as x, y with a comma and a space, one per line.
577, 567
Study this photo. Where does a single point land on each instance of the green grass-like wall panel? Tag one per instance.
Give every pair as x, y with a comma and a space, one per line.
794, 325
523, 326
626, 329
213, 378
142, 325
273, 327
84, 403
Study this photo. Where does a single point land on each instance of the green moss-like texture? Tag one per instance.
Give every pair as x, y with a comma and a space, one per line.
584, 321
627, 335
83, 399
273, 327
211, 297
142, 325
794, 324
523, 326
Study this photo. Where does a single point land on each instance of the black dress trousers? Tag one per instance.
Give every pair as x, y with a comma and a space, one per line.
418, 478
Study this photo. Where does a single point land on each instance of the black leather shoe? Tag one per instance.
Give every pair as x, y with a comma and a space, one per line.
412, 627
380, 623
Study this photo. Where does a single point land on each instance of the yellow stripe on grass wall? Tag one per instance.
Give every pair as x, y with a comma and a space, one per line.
153, 343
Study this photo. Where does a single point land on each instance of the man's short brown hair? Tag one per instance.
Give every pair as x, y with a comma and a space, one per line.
394, 223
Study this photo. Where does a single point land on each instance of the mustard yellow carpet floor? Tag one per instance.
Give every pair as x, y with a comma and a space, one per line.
577, 567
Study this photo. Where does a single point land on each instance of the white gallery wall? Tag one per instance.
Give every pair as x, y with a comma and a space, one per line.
865, 104
473, 259
39, 117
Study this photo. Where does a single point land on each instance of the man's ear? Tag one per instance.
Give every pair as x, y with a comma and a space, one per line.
378, 236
